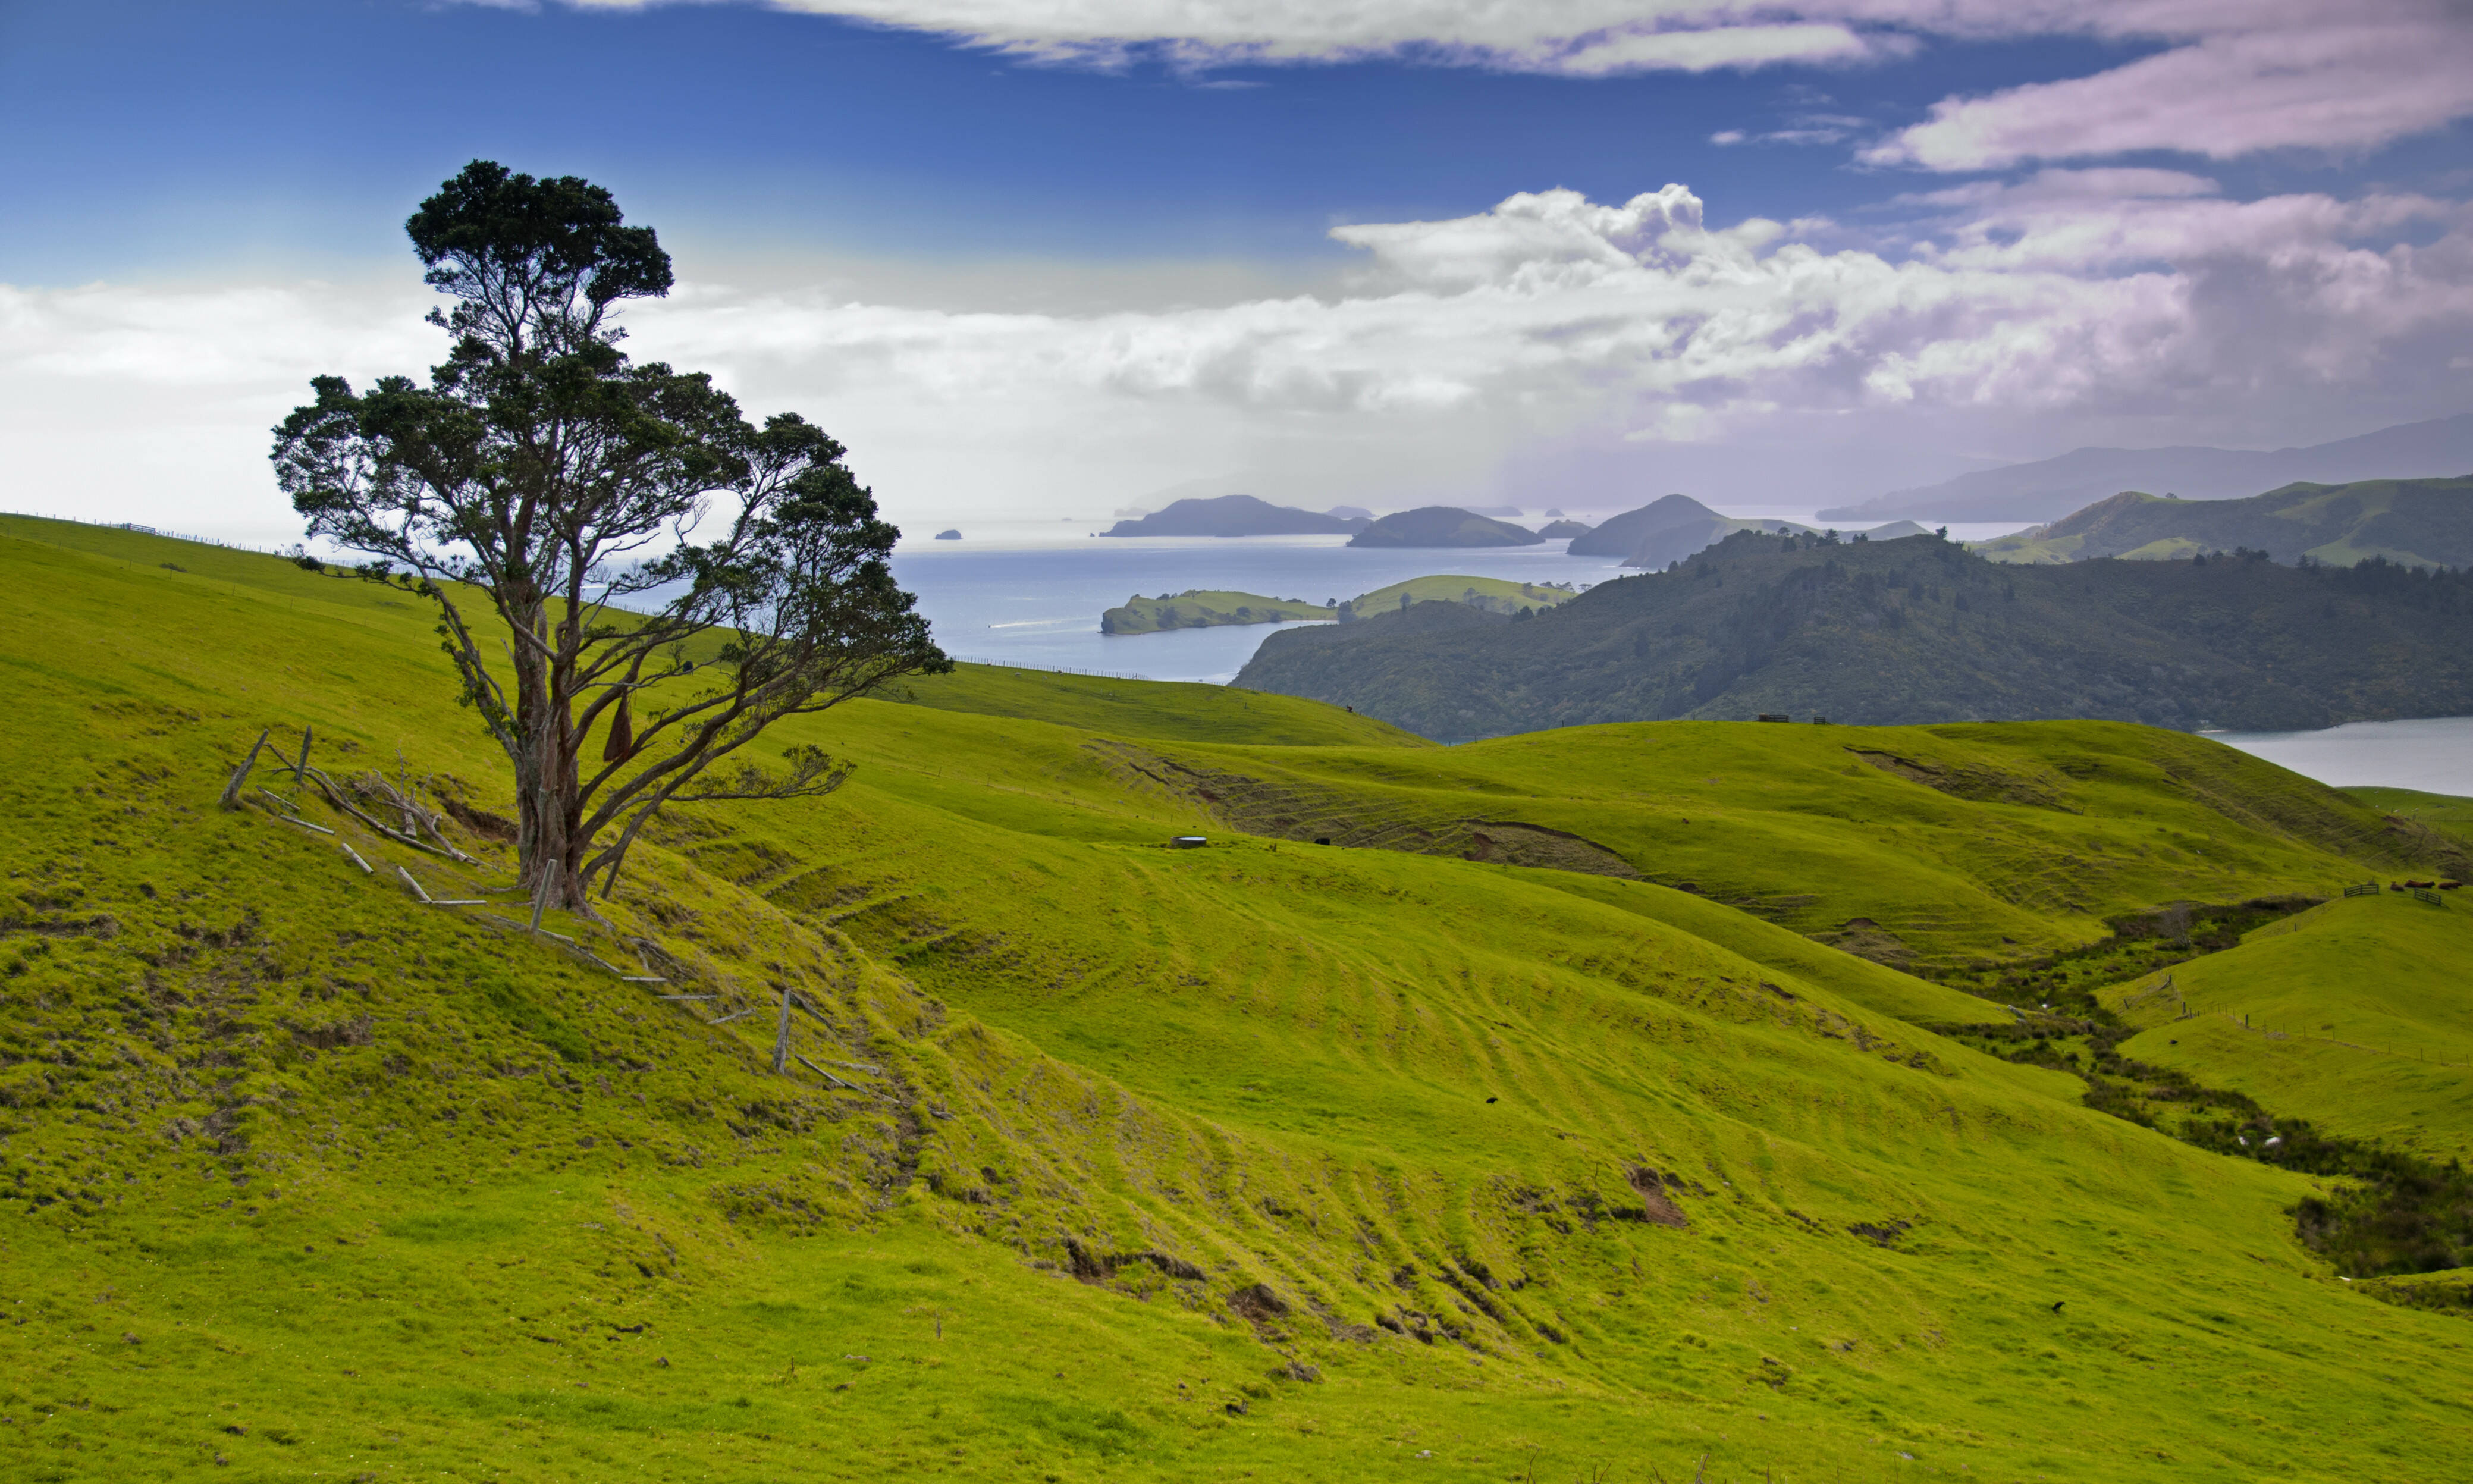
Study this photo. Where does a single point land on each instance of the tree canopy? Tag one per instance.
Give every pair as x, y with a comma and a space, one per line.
665, 573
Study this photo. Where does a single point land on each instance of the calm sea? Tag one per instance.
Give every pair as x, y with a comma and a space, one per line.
1025, 594
1040, 606
2434, 754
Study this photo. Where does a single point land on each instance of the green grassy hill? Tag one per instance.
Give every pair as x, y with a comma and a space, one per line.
1915, 630
1196, 609
1102, 1160
2353, 1015
2417, 522
1489, 595
2444, 812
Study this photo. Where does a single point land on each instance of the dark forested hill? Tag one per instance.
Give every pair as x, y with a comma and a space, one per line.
1913, 631
2419, 522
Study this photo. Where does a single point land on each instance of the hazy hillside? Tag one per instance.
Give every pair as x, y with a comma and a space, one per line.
1476, 1148
2047, 488
1443, 525
2420, 522
1666, 530
1233, 515
1915, 630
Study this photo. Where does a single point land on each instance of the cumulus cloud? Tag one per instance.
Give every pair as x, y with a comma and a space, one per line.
2142, 293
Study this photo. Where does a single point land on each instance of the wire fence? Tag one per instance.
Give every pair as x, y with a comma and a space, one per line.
145, 530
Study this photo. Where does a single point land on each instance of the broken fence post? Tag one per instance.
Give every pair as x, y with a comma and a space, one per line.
231, 790
541, 891
781, 1041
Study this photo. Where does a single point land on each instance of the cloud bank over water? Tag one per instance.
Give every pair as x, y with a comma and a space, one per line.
2111, 293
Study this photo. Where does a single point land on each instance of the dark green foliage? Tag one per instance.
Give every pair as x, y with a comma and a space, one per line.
536, 466
2141, 943
1918, 631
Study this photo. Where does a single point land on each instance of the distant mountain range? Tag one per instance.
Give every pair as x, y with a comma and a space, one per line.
2418, 522
1236, 515
1910, 630
2049, 488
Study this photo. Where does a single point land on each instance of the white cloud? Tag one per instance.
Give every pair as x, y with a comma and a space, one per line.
2227, 78
1576, 37
2067, 296
2238, 76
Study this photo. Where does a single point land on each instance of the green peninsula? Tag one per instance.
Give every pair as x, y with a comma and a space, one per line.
1192, 608
1197, 608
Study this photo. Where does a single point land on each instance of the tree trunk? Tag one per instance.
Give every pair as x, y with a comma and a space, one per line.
548, 813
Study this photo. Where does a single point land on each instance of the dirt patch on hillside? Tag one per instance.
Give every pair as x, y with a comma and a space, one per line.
1972, 781
1651, 1190
1866, 938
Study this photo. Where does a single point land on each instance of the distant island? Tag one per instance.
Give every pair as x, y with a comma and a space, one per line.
1669, 530
1196, 609
1444, 525
2049, 487
1236, 514
948, 535
1562, 530
1911, 631
2418, 522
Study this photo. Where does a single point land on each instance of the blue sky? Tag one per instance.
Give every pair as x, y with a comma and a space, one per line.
1112, 223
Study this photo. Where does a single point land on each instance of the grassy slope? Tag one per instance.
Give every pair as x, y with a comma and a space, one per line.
2357, 1019
1495, 594
2069, 822
302, 1158
2445, 813
1150, 708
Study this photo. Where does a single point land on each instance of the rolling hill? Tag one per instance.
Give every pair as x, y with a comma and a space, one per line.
2417, 522
2351, 1015
1100, 1159
2047, 488
1912, 631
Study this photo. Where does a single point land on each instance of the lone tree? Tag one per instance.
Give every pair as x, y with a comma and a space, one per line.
542, 471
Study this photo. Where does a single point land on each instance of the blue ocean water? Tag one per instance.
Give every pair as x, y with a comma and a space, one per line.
1040, 606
